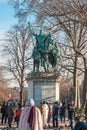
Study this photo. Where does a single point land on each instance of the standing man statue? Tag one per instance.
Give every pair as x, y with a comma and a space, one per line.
39, 51
36, 56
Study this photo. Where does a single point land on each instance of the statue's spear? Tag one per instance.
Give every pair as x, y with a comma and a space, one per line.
30, 31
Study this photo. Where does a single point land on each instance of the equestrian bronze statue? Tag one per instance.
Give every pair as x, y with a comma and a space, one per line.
45, 52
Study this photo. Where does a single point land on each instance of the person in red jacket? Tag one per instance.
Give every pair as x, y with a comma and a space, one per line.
17, 115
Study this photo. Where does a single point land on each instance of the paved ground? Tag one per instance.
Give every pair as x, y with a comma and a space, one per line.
4, 127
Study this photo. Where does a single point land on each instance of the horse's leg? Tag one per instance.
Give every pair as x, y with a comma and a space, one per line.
47, 62
56, 63
34, 66
43, 63
47, 67
44, 66
38, 66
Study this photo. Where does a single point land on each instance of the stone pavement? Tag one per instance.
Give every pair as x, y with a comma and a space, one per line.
61, 125
5, 126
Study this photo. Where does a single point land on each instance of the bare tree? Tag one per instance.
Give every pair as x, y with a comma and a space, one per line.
17, 51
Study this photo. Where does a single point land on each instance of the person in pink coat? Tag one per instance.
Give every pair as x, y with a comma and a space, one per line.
30, 117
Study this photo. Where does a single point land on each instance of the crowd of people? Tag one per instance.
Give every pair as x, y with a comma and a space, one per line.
30, 117
57, 112
7, 113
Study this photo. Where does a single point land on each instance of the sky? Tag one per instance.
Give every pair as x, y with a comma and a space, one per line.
6, 15
7, 18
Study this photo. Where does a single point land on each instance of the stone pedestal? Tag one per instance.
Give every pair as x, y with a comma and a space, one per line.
43, 87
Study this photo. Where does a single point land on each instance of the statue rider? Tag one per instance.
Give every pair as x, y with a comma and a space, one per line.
40, 38
55, 52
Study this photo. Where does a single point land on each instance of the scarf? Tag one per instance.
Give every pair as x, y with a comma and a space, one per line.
31, 117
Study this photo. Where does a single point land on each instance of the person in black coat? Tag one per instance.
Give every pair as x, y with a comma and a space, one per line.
10, 115
72, 114
3, 112
63, 112
55, 115
6, 112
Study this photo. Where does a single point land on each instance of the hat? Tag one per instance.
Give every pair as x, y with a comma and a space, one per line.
32, 103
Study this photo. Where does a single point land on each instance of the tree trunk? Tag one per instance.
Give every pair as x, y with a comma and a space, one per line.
22, 80
21, 96
84, 84
21, 90
76, 94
